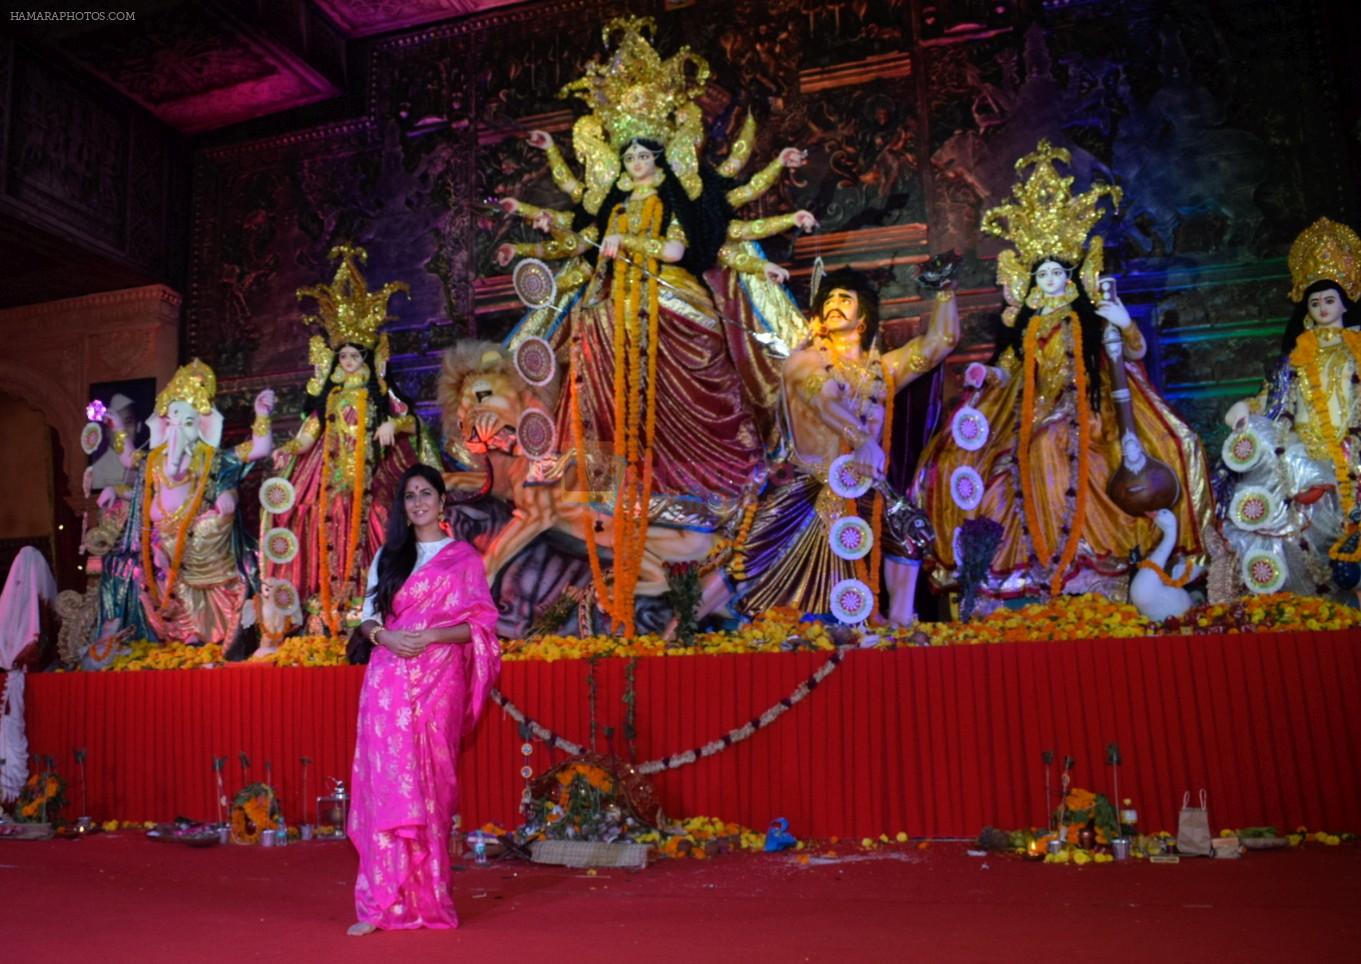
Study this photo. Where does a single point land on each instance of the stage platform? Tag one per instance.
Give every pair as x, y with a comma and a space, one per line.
932, 741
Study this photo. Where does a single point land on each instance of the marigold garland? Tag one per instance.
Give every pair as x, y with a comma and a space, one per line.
1164, 577
1305, 360
1084, 441
360, 487
1038, 537
200, 462
583, 477
633, 490
1029, 352
675, 760
780, 630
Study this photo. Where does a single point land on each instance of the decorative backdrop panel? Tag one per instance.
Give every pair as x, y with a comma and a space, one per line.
913, 113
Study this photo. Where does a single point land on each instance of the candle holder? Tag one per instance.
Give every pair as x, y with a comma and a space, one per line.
333, 810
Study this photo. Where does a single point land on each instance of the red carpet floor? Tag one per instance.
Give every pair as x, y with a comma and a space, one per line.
119, 897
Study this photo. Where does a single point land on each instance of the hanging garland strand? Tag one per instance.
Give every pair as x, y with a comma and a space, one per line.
712, 748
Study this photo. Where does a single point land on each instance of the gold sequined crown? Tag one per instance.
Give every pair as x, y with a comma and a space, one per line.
1326, 251
346, 308
1044, 219
193, 383
636, 93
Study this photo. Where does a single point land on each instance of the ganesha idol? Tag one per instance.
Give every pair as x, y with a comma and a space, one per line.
182, 567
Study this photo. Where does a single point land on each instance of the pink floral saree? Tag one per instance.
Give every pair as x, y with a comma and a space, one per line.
413, 714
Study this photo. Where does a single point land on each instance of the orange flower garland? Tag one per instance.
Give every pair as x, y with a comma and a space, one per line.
328, 611
583, 478
1304, 359
1084, 441
201, 462
1042, 547
1030, 352
634, 490
1163, 576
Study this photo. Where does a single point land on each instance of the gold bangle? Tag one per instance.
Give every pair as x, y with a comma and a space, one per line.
260, 426
945, 294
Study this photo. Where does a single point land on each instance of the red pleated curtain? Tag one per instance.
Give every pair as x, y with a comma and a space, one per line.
934, 742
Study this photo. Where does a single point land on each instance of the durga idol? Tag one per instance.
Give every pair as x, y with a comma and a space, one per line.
670, 401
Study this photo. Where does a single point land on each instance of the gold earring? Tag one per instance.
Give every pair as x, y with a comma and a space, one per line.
625, 183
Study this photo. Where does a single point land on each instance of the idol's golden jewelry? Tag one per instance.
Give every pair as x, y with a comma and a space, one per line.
761, 228
346, 308
1044, 221
194, 383
1325, 251
730, 257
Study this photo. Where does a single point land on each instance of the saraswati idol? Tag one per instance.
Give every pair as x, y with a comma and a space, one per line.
1062, 440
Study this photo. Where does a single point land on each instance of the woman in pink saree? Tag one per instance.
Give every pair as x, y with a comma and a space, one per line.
430, 617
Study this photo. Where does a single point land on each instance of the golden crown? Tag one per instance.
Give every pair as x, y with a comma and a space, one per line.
636, 93
346, 308
1044, 219
193, 383
1325, 251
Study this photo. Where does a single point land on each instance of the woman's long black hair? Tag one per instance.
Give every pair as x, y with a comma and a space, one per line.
1295, 326
704, 220
398, 556
378, 399
1093, 327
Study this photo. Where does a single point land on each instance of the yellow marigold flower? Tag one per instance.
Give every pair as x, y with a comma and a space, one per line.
901, 837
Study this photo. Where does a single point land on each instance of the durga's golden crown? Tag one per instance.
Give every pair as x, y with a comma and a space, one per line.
346, 308
636, 93
1325, 251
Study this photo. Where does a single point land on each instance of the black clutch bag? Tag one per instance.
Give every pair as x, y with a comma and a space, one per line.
358, 649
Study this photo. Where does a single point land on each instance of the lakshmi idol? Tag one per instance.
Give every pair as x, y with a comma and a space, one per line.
184, 566
1048, 434
357, 438
670, 397
1294, 456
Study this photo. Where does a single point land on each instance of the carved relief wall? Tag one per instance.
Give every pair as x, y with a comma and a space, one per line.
913, 112
91, 170
54, 351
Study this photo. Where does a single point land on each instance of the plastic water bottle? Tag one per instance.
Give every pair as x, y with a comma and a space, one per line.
280, 833
480, 847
